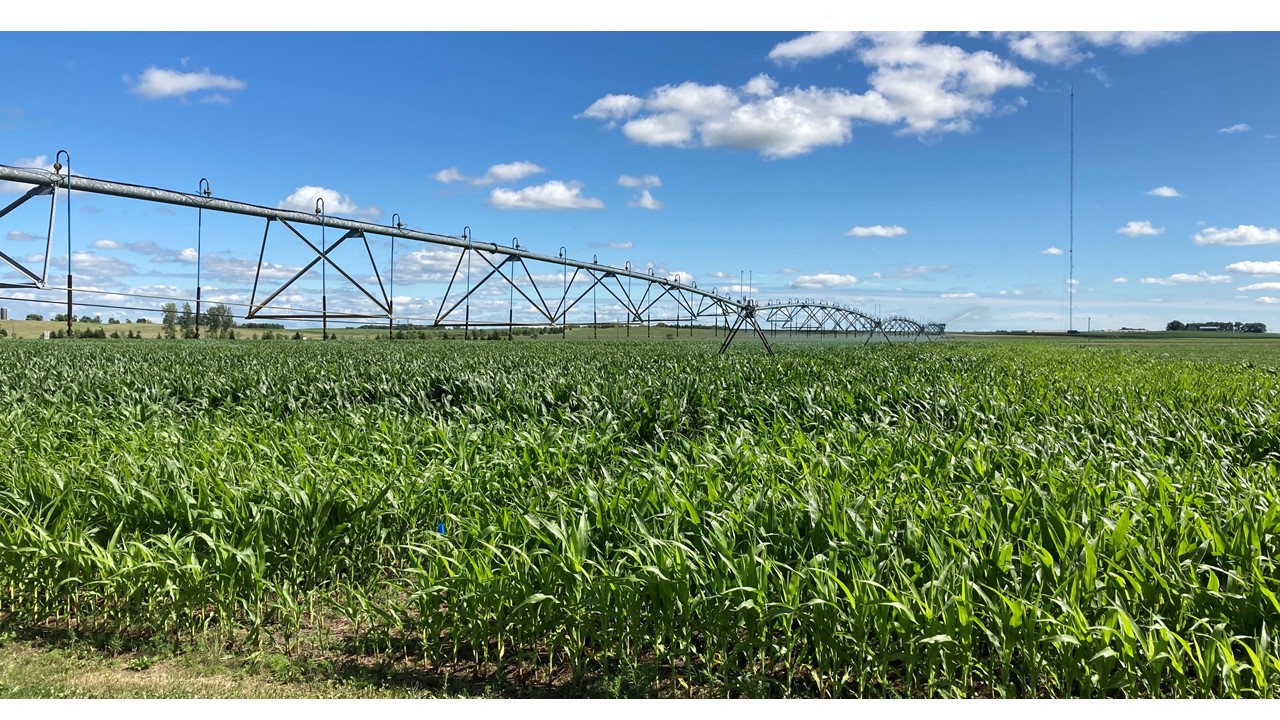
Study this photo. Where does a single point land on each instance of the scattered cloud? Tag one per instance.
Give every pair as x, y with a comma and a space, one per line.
39, 161
661, 270
646, 181
552, 195
823, 280
1051, 251
1268, 300
1120, 280
158, 83
1164, 191
335, 203
883, 231
645, 200
911, 271
1237, 128
928, 89
613, 245
1239, 235
788, 271
612, 108
426, 265
501, 173
1069, 48
236, 269
1254, 267
812, 46
959, 295
1260, 286
99, 267
1139, 228
450, 175
21, 236
159, 254
1186, 278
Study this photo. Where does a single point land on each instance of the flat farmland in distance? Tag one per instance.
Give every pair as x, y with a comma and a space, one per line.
1029, 518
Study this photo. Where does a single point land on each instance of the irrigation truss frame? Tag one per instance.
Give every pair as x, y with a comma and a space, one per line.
636, 292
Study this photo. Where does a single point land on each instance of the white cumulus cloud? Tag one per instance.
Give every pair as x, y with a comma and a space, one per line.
1069, 48
1186, 278
1239, 235
552, 195
883, 231
500, 173
1237, 128
812, 46
1260, 286
823, 280
1254, 267
156, 83
1268, 300
927, 89
1138, 228
646, 181
335, 203
1120, 280
645, 200
1164, 191
1051, 251
959, 295
613, 108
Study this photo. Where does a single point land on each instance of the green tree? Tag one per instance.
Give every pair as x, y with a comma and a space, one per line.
170, 321
187, 321
1175, 325
35, 317
218, 320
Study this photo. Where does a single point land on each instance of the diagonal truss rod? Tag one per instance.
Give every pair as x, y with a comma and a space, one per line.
37, 281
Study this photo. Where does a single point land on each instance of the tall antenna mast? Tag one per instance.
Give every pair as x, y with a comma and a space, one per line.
1071, 220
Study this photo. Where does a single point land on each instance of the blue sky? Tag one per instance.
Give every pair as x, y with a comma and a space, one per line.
921, 173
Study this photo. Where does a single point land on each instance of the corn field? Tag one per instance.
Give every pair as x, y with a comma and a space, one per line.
891, 521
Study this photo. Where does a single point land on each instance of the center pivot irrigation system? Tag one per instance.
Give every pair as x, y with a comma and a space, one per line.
636, 292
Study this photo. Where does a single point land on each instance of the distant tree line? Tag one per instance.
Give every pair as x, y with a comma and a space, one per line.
261, 326
1217, 326
217, 322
